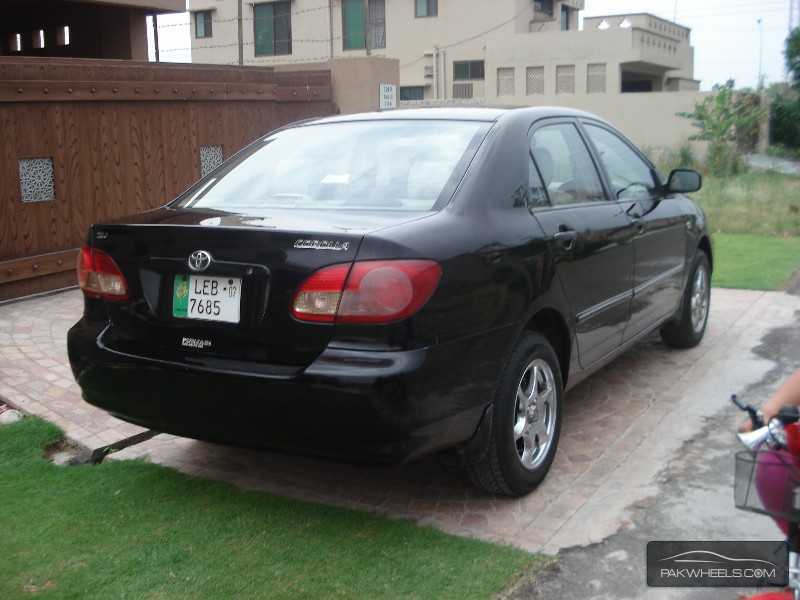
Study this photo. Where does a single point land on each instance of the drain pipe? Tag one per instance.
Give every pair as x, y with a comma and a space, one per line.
241, 41
330, 27
99, 454
436, 72
444, 74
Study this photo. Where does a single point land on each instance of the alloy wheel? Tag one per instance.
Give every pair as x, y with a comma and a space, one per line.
700, 299
535, 414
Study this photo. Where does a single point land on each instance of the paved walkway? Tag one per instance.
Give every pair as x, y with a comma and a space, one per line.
621, 426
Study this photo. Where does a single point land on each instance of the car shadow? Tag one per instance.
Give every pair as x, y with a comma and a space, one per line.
597, 412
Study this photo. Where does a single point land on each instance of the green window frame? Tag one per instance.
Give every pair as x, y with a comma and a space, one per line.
202, 24
468, 70
426, 8
272, 28
412, 92
354, 25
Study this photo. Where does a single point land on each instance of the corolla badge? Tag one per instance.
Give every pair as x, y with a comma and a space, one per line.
322, 245
199, 260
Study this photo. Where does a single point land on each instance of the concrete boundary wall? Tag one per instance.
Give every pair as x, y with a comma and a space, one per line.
648, 119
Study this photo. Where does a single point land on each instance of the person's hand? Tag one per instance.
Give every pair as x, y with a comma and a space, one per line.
767, 414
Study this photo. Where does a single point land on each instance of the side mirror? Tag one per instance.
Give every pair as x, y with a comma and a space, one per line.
684, 181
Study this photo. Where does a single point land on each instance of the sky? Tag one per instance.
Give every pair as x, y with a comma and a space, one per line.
725, 34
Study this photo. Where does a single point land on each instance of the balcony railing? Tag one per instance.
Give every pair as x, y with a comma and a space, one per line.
466, 90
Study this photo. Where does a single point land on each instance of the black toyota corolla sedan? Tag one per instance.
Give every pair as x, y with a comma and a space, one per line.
384, 286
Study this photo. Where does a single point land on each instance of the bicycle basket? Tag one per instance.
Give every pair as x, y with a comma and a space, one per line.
768, 483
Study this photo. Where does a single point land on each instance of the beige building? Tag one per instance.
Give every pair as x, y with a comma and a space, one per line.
504, 51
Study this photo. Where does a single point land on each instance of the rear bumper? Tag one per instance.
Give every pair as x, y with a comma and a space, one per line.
351, 404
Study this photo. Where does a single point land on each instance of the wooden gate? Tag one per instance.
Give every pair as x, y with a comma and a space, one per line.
87, 140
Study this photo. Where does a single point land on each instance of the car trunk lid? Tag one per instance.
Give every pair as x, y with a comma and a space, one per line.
271, 254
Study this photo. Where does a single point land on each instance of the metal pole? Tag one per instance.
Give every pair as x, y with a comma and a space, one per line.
791, 27
675, 12
760, 54
366, 24
330, 25
155, 37
241, 43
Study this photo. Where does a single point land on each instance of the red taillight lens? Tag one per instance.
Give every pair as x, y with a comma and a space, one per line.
99, 276
379, 291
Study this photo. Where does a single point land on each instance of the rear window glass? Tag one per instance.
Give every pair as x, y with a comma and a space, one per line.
374, 165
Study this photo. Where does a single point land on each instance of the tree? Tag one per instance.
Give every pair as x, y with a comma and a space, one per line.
726, 120
792, 54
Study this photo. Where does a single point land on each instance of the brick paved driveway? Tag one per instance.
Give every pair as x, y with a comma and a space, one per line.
620, 426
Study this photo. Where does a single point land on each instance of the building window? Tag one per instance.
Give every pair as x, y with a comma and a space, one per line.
534, 81
38, 39
596, 78
62, 36
412, 92
468, 70
505, 81
544, 6
355, 37
376, 24
202, 24
359, 29
565, 79
426, 8
15, 42
272, 31
36, 180
565, 17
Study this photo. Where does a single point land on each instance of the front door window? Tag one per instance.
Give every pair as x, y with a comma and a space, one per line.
631, 177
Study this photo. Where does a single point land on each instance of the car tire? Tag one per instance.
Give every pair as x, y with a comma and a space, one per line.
688, 329
526, 421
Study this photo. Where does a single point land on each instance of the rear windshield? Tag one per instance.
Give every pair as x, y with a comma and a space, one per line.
374, 165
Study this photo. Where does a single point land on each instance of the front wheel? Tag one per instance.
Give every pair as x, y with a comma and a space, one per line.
526, 421
688, 330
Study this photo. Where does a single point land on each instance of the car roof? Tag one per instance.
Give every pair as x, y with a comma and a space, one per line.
485, 114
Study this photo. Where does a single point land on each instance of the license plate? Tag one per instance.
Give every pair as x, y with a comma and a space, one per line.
207, 298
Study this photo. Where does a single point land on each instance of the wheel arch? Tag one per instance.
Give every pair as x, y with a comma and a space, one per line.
705, 246
553, 326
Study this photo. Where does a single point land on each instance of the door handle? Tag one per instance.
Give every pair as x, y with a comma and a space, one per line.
566, 239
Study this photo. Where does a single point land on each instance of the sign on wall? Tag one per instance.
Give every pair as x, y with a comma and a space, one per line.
387, 96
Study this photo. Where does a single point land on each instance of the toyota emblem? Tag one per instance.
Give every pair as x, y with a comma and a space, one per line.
199, 260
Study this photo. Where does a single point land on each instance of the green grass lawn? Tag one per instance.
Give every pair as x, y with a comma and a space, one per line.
128, 529
755, 202
754, 262
755, 220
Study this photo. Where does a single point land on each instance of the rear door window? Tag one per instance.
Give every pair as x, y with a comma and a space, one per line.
565, 166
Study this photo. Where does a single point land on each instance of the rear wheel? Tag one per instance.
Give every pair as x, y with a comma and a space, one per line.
688, 330
526, 421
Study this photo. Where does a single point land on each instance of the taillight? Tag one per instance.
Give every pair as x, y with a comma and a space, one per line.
99, 276
379, 291
318, 298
